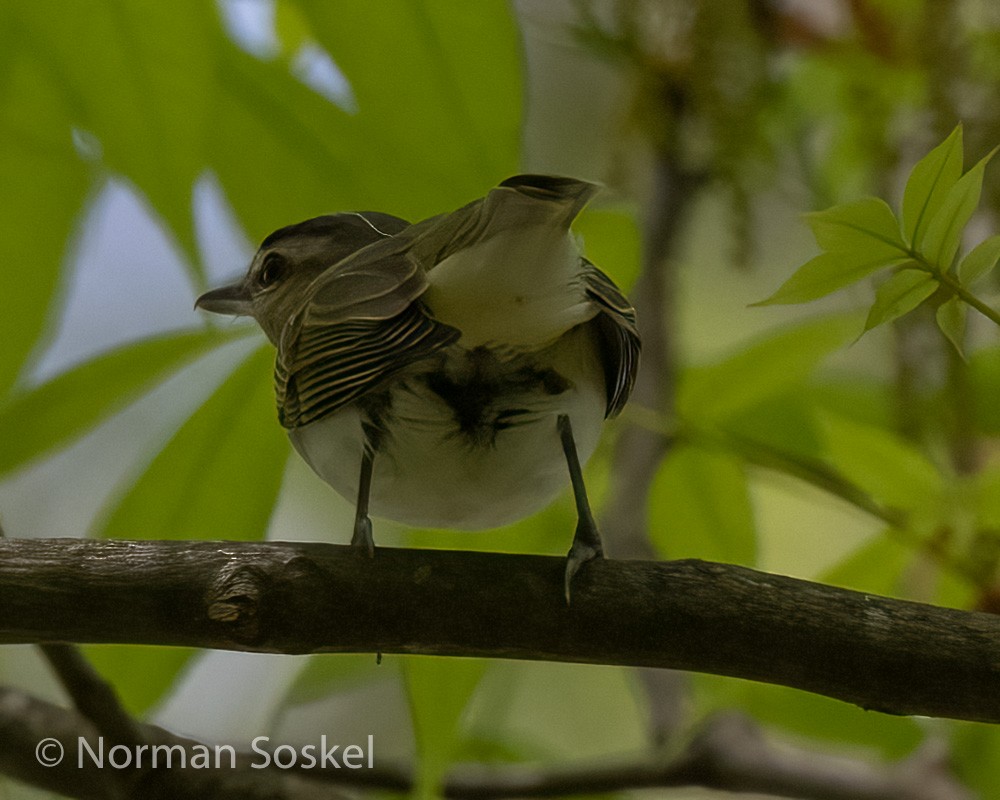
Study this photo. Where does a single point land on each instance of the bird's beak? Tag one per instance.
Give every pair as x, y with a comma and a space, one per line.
233, 299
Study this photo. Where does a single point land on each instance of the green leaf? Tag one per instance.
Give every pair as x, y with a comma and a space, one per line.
140, 78
438, 94
325, 673
451, 71
767, 368
699, 506
611, 240
875, 567
950, 317
974, 753
282, 152
979, 261
36, 421
928, 185
865, 226
141, 675
883, 464
986, 497
984, 382
900, 294
805, 714
826, 273
44, 187
944, 232
439, 689
219, 476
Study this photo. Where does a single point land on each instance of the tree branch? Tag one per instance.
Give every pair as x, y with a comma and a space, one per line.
889, 655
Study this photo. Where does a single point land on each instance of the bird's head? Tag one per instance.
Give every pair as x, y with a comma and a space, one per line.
290, 259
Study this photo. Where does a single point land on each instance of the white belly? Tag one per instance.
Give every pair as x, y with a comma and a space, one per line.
427, 475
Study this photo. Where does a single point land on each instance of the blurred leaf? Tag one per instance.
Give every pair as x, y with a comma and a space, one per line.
979, 261
290, 26
822, 719
944, 232
950, 317
864, 227
882, 464
785, 421
139, 77
325, 673
219, 475
929, 183
875, 567
439, 689
975, 757
611, 241
44, 188
986, 497
867, 399
900, 294
36, 421
451, 71
825, 274
306, 156
699, 506
984, 382
141, 675
772, 365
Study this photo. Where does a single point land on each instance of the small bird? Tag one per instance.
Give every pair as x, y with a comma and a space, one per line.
449, 373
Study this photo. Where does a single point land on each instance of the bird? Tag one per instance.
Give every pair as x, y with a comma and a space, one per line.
451, 373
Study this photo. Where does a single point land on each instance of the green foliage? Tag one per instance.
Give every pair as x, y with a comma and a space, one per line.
328, 673
702, 501
233, 439
44, 181
438, 690
976, 755
864, 237
929, 183
712, 394
979, 261
899, 295
35, 421
818, 718
140, 675
883, 464
875, 567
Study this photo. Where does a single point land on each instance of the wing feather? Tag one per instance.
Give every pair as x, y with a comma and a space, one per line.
361, 323
618, 335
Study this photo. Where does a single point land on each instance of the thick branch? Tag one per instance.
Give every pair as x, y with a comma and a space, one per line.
889, 655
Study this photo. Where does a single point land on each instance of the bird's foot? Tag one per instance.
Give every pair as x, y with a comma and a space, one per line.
362, 537
586, 547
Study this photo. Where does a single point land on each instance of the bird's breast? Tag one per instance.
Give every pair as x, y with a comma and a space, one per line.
469, 441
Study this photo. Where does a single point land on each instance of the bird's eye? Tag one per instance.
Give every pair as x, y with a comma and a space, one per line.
273, 269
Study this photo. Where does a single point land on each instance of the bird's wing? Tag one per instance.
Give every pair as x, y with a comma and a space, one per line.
519, 202
360, 324
618, 336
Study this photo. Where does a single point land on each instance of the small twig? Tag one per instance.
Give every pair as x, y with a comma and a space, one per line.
93, 696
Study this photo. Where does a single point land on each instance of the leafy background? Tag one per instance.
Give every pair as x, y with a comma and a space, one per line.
145, 147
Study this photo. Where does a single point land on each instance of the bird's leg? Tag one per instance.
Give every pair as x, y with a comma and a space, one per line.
362, 523
586, 540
